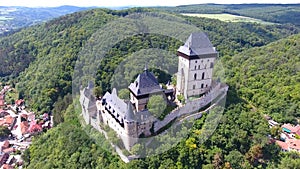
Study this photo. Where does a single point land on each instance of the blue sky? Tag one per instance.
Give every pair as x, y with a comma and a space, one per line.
112, 3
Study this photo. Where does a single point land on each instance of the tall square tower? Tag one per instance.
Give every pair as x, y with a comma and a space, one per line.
195, 66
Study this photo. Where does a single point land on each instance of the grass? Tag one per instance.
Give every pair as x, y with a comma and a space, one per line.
228, 18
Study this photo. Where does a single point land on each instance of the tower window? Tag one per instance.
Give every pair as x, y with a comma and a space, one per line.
195, 76
202, 85
194, 86
203, 75
211, 65
199, 67
196, 61
195, 67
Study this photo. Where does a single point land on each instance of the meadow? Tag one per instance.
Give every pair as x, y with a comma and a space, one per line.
228, 18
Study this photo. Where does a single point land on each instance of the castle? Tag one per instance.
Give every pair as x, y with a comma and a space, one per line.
131, 119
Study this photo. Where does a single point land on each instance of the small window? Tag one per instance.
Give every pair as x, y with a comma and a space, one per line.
194, 86
202, 85
203, 75
211, 65
195, 67
196, 61
199, 67
207, 60
195, 76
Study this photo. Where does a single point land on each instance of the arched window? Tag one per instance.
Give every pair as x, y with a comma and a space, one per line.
199, 67
202, 85
195, 76
195, 67
203, 75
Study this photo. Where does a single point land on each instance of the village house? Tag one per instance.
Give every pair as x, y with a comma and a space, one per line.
291, 129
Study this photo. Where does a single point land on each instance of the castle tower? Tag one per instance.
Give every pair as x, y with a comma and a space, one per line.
195, 66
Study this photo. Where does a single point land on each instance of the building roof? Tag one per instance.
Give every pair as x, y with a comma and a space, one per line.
116, 106
24, 127
291, 128
19, 102
197, 44
5, 144
34, 127
282, 145
2, 102
293, 144
145, 83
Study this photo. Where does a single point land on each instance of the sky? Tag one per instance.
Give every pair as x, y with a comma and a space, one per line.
116, 3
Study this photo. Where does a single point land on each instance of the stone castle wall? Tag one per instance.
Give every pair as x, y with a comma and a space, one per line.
192, 106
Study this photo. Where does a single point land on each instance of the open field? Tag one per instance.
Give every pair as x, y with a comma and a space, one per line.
228, 18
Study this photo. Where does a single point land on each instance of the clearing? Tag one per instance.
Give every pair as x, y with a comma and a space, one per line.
228, 18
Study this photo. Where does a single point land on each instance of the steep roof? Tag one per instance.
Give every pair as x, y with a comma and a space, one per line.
145, 83
197, 44
118, 106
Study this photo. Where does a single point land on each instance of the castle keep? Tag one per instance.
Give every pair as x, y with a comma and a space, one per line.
195, 65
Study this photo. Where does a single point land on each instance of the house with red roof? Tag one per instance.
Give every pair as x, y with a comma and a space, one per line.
291, 129
24, 127
19, 102
8, 121
289, 145
34, 127
2, 103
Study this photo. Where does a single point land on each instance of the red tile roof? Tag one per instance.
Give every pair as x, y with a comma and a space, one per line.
5, 144
289, 144
34, 127
2, 102
294, 144
19, 102
24, 127
7, 166
293, 129
282, 145
9, 150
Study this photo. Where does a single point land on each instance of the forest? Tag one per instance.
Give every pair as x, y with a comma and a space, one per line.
277, 13
39, 61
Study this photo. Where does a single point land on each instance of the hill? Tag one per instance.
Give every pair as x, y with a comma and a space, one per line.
40, 61
277, 13
240, 140
269, 77
13, 18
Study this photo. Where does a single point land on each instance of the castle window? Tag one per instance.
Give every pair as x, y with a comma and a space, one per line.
196, 61
203, 75
202, 85
195, 76
136, 83
194, 86
211, 65
207, 60
195, 67
199, 67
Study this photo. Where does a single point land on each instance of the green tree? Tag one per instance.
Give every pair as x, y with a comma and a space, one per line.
124, 94
4, 131
156, 105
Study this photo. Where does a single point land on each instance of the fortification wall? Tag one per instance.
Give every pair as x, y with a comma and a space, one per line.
192, 106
